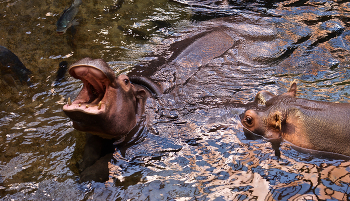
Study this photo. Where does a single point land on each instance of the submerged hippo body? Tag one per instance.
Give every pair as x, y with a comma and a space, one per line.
307, 124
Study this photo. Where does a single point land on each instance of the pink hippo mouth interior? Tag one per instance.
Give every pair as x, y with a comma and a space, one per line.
91, 99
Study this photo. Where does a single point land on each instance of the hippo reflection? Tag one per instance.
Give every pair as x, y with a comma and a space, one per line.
307, 124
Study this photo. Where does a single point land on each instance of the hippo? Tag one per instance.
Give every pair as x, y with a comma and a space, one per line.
107, 106
110, 110
306, 124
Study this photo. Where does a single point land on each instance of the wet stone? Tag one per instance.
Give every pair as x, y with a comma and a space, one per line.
346, 6
333, 26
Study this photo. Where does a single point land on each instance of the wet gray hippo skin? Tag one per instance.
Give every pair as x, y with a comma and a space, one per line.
187, 58
307, 124
107, 106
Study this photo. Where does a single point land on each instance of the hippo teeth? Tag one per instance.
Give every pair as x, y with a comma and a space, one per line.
99, 105
69, 101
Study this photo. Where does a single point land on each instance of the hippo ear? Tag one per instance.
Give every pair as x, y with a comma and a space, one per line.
141, 97
263, 96
140, 94
292, 90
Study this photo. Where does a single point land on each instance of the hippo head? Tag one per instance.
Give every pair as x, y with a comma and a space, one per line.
268, 118
107, 106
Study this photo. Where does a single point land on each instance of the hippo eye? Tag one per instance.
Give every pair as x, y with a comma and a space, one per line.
249, 120
126, 81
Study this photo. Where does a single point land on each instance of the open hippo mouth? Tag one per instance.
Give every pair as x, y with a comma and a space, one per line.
92, 98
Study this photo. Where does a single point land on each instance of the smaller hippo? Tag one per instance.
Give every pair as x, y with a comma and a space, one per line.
307, 124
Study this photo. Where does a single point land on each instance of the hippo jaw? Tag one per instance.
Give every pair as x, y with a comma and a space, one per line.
106, 106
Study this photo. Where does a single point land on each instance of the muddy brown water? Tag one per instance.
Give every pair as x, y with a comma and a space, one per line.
196, 149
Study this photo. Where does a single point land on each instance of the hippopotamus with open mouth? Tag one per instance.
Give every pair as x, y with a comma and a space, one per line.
307, 124
107, 106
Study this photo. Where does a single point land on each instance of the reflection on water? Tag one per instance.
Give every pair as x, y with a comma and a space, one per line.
194, 147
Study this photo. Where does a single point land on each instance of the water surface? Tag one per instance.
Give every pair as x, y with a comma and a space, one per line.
195, 147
